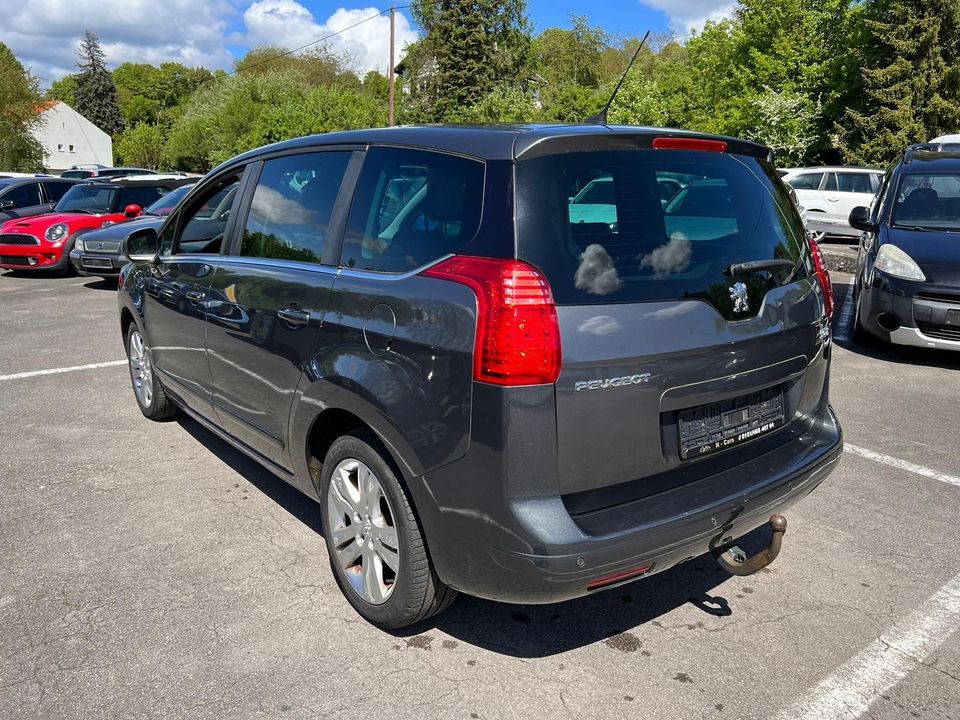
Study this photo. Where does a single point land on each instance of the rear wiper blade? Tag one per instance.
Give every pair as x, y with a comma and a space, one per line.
745, 268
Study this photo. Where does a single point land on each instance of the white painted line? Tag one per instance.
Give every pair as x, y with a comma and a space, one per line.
852, 688
58, 371
902, 464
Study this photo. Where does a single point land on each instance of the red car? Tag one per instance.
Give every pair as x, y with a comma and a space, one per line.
44, 242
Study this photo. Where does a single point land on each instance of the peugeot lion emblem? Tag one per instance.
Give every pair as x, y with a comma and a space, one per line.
738, 293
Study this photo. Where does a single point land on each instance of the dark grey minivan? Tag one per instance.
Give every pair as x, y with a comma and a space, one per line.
522, 362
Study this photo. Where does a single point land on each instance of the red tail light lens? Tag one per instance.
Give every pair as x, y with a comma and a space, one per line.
820, 266
619, 577
518, 335
679, 143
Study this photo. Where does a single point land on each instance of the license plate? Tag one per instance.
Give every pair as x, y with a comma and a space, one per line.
96, 262
721, 425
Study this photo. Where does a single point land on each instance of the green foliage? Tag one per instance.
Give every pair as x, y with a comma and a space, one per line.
19, 100
502, 105
140, 146
95, 95
571, 57
63, 89
145, 91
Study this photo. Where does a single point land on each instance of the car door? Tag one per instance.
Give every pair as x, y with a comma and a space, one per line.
267, 300
22, 200
806, 185
845, 190
176, 293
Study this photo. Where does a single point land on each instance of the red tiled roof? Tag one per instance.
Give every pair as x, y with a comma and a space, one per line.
47, 105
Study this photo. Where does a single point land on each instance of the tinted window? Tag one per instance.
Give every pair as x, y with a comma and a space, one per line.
56, 190
807, 181
640, 249
411, 207
95, 199
166, 204
142, 196
928, 201
201, 225
855, 183
77, 174
21, 196
292, 206
831, 184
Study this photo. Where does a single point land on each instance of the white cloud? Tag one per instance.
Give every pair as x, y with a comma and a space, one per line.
289, 24
45, 34
685, 15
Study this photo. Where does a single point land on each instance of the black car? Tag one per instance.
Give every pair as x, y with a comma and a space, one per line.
486, 392
28, 196
86, 173
99, 252
907, 288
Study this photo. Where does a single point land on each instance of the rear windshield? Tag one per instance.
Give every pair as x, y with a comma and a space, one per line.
638, 225
928, 201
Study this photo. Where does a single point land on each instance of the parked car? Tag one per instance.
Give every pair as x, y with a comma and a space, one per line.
828, 194
44, 242
28, 196
484, 394
99, 252
907, 288
99, 171
947, 143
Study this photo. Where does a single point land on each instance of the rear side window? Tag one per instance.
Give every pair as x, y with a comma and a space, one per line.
56, 190
410, 208
21, 196
638, 248
855, 183
292, 206
807, 181
142, 196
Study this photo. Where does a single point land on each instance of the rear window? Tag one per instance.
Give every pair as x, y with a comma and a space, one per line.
635, 246
142, 196
412, 207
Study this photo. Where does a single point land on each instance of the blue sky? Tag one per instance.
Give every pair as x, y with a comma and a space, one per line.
44, 34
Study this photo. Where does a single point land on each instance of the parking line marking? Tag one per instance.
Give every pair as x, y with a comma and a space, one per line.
58, 371
902, 464
852, 688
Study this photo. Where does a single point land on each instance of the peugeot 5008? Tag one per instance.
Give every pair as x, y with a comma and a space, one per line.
485, 392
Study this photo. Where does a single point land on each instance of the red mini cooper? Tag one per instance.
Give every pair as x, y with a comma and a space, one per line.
44, 242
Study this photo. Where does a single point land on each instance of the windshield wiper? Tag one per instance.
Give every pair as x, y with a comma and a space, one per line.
926, 228
745, 268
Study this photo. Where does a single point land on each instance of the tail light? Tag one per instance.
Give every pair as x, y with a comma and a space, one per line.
619, 577
820, 267
683, 143
518, 335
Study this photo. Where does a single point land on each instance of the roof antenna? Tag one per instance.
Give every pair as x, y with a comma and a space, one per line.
601, 117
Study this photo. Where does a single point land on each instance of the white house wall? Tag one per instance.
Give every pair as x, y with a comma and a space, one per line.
70, 139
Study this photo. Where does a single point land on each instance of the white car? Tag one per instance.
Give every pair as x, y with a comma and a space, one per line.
828, 194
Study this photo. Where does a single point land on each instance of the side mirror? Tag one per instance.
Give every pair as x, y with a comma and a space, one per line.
142, 245
132, 210
860, 220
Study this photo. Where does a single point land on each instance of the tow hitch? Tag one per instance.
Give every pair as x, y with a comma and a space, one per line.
735, 561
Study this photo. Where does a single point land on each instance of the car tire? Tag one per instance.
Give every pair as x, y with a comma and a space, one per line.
370, 525
147, 389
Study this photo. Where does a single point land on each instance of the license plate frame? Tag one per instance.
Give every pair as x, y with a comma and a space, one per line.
710, 428
96, 263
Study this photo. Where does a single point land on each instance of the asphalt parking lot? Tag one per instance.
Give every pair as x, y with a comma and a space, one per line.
151, 571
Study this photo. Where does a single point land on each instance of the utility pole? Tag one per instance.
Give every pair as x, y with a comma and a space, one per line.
390, 73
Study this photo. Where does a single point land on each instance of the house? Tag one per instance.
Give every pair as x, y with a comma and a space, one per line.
69, 139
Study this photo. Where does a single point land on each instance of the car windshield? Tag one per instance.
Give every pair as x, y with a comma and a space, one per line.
166, 204
94, 199
928, 201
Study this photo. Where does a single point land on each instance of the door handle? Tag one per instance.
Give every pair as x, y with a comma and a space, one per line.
294, 315
195, 295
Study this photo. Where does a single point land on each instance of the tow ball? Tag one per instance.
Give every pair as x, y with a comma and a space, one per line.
735, 561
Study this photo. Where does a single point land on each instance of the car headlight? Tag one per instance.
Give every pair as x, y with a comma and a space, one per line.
56, 233
78, 245
894, 261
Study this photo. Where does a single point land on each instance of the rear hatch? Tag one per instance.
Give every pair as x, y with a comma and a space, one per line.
676, 363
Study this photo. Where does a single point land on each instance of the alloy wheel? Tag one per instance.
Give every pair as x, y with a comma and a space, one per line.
362, 528
141, 369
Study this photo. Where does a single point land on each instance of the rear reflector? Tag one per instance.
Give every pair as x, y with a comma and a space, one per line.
823, 276
619, 577
680, 143
518, 333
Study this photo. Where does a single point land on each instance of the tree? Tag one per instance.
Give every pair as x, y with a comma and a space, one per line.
502, 105
911, 79
19, 116
469, 48
141, 146
95, 95
63, 89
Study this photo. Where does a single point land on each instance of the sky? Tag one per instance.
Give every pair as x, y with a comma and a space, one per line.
45, 34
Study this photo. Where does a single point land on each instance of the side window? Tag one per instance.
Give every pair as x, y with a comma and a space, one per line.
56, 190
198, 229
855, 183
21, 196
807, 181
411, 207
292, 205
142, 196
831, 184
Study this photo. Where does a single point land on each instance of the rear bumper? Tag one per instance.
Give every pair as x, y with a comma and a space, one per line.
531, 550
898, 312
